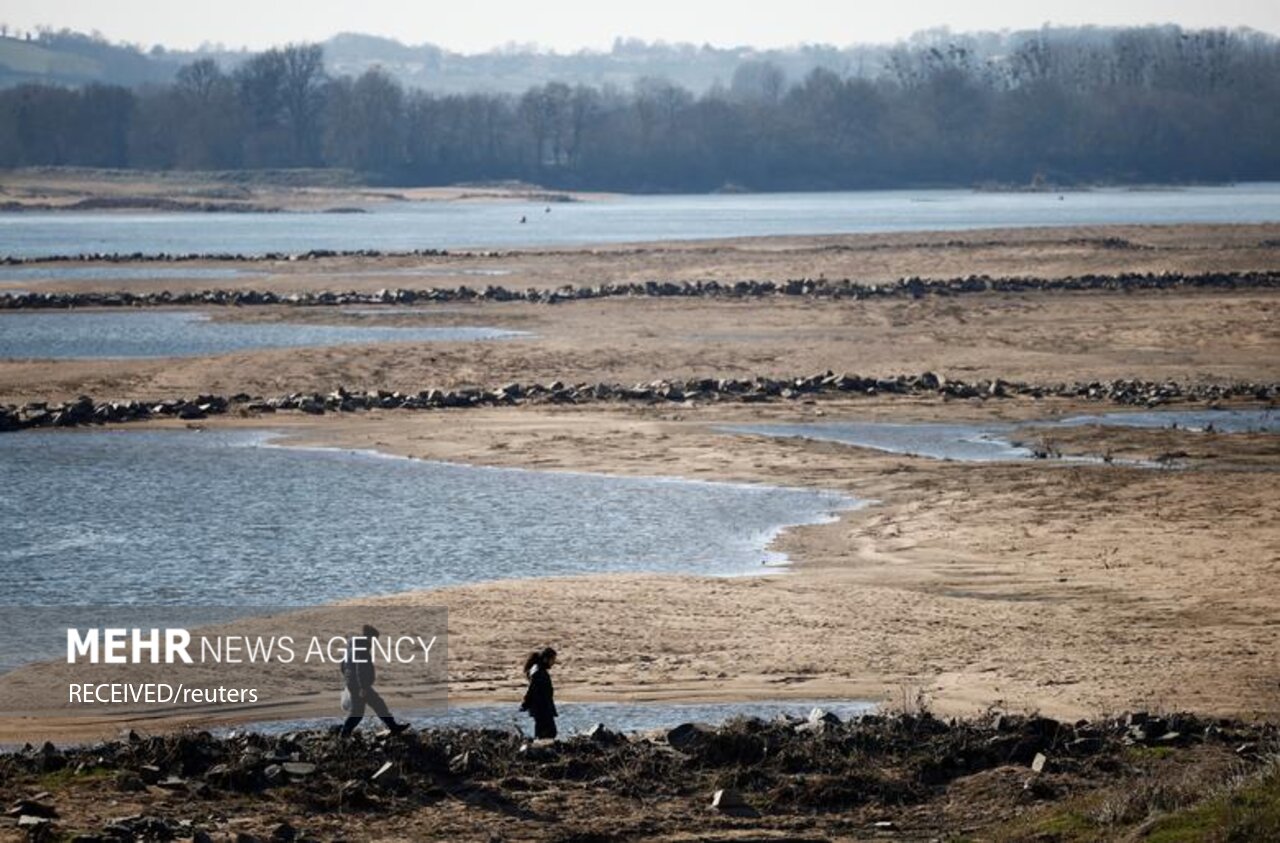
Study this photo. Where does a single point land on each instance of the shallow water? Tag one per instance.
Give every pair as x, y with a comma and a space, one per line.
1223, 421
442, 225
65, 334
577, 718
993, 441
191, 518
964, 442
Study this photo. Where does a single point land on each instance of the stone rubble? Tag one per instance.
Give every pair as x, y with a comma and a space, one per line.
878, 759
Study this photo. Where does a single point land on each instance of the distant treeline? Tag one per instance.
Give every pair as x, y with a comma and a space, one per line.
1143, 105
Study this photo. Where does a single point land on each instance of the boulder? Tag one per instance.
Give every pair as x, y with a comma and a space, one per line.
727, 798
602, 734
730, 801
32, 808
299, 769
273, 774
689, 735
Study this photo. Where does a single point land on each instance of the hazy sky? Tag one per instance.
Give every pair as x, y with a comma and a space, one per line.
565, 25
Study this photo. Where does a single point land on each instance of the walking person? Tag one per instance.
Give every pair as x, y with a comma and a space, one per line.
359, 673
539, 699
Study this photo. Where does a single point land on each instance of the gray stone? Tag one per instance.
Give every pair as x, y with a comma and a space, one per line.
689, 735
299, 769
731, 802
727, 799
32, 808
601, 733
273, 773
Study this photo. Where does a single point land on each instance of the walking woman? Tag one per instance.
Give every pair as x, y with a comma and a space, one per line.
359, 675
539, 700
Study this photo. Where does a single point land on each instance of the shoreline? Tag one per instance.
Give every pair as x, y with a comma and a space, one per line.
1071, 589
86, 189
1115, 240
92, 727
823, 566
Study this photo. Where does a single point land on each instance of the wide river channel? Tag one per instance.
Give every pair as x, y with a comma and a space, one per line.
404, 226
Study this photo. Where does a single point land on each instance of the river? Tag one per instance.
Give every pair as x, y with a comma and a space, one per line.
406, 226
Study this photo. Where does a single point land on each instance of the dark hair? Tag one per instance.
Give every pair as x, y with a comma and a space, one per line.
541, 658
369, 630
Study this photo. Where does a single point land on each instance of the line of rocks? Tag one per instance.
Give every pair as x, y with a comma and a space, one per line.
227, 257
1113, 243
86, 411
818, 288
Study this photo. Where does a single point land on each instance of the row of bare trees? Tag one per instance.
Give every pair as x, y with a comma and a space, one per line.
1140, 105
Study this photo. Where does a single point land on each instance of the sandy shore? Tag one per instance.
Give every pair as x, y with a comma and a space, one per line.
307, 191
1075, 590
1072, 589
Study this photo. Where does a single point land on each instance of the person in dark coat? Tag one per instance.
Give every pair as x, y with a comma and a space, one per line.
359, 673
539, 699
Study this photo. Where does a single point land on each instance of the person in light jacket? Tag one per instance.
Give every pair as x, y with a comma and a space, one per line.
359, 674
539, 699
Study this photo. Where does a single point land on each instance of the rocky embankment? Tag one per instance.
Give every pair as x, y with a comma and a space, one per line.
86, 411
223, 257
819, 288
885, 774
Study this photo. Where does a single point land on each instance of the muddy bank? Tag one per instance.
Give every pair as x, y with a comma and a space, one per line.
910, 776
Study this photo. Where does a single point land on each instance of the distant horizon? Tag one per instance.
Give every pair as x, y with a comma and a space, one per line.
565, 28
542, 49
